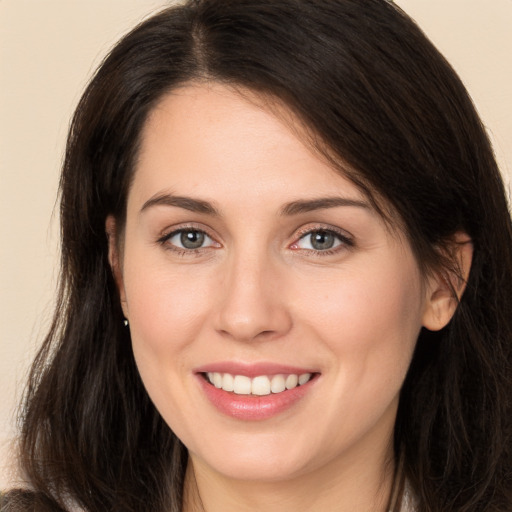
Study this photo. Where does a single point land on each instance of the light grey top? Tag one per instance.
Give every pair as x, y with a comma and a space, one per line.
409, 500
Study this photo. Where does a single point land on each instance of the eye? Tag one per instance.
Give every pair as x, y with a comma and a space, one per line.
321, 240
189, 239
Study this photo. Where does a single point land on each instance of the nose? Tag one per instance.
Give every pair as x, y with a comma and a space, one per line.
252, 303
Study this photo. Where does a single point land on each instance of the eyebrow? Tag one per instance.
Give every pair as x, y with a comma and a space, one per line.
305, 206
289, 209
187, 203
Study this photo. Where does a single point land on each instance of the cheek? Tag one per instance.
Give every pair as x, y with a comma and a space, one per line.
369, 320
164, 306
164, 309
378, 303
165, 313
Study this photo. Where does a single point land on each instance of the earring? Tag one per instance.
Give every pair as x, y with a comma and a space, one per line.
125, 322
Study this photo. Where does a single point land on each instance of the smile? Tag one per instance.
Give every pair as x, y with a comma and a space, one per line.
255, 392
260, 385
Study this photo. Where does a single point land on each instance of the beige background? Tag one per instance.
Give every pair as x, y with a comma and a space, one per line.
49, 48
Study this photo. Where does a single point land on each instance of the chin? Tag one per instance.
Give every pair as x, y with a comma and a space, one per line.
257, 460
257, 470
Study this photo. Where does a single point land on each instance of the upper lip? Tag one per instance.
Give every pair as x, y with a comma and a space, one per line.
252, 369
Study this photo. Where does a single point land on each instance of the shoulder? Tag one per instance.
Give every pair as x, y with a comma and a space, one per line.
21, 500
15, 500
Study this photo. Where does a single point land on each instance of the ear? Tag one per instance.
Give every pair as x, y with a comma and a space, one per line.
445, 288
115, 260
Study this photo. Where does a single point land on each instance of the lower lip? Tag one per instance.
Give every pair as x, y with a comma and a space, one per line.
251, 407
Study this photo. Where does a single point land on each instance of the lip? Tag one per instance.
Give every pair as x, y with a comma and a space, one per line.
252, 369
250, 407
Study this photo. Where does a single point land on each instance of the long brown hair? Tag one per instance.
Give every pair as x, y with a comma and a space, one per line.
379, 96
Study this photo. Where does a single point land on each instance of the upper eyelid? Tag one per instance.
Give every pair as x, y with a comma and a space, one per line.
175, 232
301, 232
169, 232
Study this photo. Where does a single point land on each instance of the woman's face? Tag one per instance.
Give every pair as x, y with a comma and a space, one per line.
249, 264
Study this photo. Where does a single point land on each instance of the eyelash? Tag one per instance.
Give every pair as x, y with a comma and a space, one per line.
180, 251
345, 241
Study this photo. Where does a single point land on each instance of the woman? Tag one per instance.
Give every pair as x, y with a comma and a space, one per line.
286, 272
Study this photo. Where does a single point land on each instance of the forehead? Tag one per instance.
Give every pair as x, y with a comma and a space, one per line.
211, 133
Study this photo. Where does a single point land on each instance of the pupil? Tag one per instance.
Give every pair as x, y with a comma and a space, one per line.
322, 240
192, 239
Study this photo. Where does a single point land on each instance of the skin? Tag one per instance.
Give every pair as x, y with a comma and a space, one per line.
257, 290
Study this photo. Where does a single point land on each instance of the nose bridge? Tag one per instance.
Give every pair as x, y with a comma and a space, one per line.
252, 304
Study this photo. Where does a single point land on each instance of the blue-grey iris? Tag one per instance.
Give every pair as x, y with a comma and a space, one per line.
192, 239
322, 240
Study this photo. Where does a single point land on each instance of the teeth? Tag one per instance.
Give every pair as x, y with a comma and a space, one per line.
291, 381
228, 383
304, 378
242, 385
277, 384
260, 386
217, 380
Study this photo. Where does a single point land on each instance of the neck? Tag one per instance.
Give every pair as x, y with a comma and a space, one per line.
362, 485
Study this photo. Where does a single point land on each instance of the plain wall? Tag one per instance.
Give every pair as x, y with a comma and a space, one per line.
48, 50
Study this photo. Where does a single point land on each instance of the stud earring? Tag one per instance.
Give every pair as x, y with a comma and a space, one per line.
125, 322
